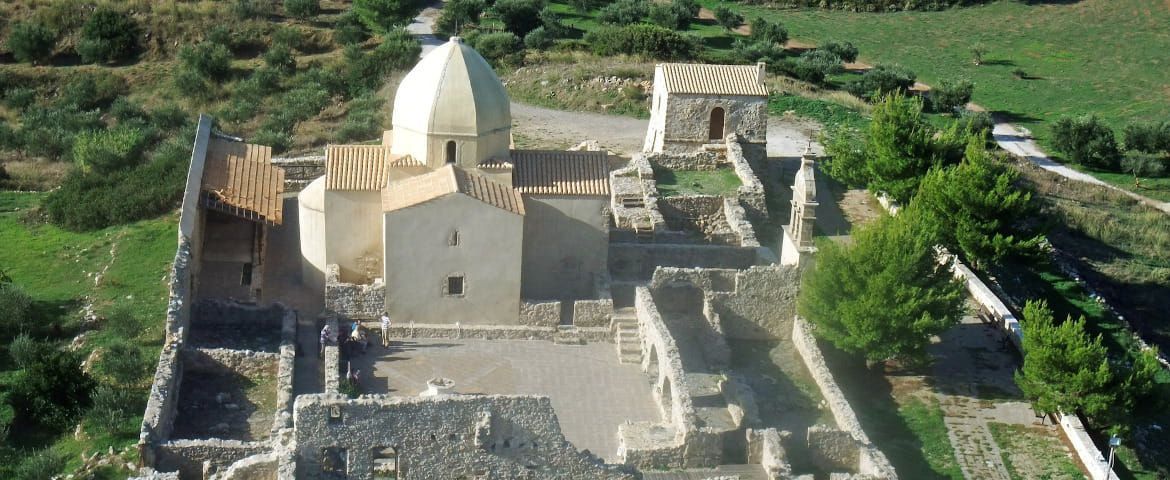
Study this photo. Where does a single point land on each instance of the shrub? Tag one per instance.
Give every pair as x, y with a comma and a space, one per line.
302, 8
550, 21
1141, 164
15, 311
727, 17
124, 363
623, 12
458, 14
192, 85
108, 36
249, 9
281, 58
537, 39
125, 111
845, 50
25, 351
48, 131
277, 139
583, 6
122, 322
40, 465
104, 151
210, 60
92, 91
650, 40
519, 16
670, 15
349, 29
1148, 137
748, 51
20, 98
498, 46
881, 81
822, 61
288, 36
364, 119
950, 97
364, 72
52, 391
765, 31
31, 42
383, 16
1087, 141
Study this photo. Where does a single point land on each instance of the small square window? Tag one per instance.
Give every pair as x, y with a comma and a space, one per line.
455, 285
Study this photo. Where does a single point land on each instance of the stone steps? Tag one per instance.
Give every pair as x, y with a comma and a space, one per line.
629, 345
567, 335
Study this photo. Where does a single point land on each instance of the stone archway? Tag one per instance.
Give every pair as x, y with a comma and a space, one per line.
664, 398
717, 124
652, 364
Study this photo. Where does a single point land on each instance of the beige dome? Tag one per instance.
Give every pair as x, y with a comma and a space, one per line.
452, 91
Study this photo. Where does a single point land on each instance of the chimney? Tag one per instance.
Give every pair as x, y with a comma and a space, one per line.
761, 71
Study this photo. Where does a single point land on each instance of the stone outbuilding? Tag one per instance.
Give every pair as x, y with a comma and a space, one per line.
696, 104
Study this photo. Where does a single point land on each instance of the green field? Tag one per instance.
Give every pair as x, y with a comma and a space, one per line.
672, 183
1106, 57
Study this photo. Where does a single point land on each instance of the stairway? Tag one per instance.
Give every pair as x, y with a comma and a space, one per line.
567, 335
625, 329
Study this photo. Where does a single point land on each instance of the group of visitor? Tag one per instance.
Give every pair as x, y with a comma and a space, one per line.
356, 337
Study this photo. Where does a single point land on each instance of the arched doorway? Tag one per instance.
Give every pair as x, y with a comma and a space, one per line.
664, 398
450, 151
717, 121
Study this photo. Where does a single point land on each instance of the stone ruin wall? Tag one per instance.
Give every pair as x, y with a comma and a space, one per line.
832, 447
250, 364
162, 403
688, 117
353, 301
754, 303
188, 457
211, 313
481, 436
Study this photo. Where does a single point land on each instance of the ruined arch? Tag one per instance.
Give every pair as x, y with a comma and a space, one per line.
652, 363
664, 398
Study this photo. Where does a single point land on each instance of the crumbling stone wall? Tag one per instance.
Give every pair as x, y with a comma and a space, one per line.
352, 301
751, 190
253, 365
765, 448
833, 450
637, 261
256, 467
540, 314
285, 369
870, 460
188, 456
331, 367
211, 313
448, 436
760, 303
688, 116
592, 313
698, 214
703, 160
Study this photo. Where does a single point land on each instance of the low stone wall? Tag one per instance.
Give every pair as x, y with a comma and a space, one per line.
637, 261
352, 301
833, 450
188, 456
736, 218
752, 304
751, 191
285, 368
447, 436
332, 365
161, 405
765, 448
256, 467
699, 160
871, 461
698, 214
253, 365
592, 313
540, 314
211, 313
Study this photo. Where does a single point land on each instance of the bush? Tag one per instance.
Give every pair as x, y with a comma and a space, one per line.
40, 465
48, 131
249, 9
1141, 164
727, 17
31, 42
882, 80
383, 16
845, 50
281, 58
583, 6
674, 15
1087, 141
108, 36
498, 46
363, 72
19, 98
105, 151
747, 51
302, 8
25, 351
349, 29
823, 62
277, 139
51, 392
537, 39
210, 60
92, 91
458, 14
519, 16
124, 363
192, 85
1148, 137
950, 97
650, 40
363, 121
550, 21
771, 32
623, 12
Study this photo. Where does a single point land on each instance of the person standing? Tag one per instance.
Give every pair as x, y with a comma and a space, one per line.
385, 329
326, 337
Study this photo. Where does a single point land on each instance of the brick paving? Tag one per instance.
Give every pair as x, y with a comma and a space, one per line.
591, 391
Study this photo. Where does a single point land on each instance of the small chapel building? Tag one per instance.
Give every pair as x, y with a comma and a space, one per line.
457, 224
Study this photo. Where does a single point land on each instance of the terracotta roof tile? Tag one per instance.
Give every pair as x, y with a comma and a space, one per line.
239, 178
361, 167
447, 180
551, 172
713, 79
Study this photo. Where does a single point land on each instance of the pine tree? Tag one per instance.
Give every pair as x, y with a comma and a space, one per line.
1064, 369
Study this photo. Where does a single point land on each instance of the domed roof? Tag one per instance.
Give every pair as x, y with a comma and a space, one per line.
452, 91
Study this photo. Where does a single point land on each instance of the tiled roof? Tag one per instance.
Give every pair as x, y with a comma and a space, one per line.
713, 79
361, 167
239, 178
446, 180
551, 172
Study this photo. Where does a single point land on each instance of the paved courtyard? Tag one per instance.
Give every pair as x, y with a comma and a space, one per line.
591, 392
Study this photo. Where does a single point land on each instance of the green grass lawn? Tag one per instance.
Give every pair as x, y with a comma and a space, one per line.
1155, 188
1106, 57
672, 183
1028, 453
57, 267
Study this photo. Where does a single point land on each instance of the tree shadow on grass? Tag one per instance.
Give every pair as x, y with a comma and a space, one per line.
872, 398
1014, 117
1000, 62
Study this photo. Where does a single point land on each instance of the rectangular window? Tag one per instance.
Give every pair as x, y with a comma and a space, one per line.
454, 285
